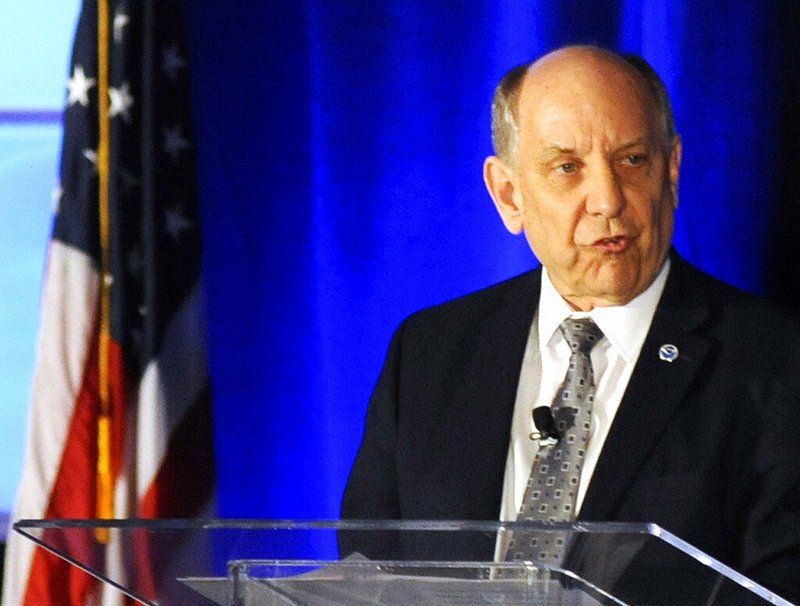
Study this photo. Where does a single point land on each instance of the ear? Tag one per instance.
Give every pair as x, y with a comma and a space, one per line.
676, 153
501, 181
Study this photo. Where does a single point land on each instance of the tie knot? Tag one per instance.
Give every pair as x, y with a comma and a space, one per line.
581, 335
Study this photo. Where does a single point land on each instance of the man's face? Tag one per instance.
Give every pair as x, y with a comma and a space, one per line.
594, 187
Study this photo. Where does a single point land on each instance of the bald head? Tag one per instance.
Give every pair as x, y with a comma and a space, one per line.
587, 168
565, 64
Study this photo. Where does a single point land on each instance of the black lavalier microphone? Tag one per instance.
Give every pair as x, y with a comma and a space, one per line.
543, 420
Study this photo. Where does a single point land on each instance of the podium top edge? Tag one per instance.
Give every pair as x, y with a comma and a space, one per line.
332, 524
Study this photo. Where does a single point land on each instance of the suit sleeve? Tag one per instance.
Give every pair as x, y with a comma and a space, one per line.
771, 525
372, 491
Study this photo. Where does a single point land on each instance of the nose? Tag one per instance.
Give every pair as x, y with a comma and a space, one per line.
604, 192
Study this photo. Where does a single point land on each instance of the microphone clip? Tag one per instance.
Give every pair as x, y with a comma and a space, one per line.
547, 433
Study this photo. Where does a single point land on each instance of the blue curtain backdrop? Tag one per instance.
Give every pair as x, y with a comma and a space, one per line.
340, 146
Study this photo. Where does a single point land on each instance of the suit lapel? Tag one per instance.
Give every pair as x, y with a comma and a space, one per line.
655, 390
503, 340
486, 394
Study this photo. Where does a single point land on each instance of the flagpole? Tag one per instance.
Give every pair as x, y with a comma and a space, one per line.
105, 492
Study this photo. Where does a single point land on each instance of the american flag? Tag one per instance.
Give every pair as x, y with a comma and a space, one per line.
120, 421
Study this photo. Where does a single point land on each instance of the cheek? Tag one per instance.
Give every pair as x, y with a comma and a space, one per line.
649, 209
660, 220
553, 231
554, 246
667, 226
552, 221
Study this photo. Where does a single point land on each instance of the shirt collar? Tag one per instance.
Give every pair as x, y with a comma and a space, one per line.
625, 326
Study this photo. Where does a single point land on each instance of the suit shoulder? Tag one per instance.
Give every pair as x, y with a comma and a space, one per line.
520, 292
748, 311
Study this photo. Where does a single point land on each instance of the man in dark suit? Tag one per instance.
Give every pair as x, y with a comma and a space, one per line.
696, 421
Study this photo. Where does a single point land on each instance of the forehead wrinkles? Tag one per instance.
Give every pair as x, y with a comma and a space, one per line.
606, 106
585, 133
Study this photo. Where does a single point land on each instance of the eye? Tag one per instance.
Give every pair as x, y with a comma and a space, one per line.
635, 159
567, 168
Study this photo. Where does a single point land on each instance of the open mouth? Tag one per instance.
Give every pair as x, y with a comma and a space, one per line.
616, 244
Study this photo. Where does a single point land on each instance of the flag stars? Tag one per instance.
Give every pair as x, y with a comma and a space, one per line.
78, 86
91, 156
172, 61
176, 222
121, 21
121, 101
174, 142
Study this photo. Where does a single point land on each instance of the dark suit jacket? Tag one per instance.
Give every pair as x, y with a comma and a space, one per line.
707, 446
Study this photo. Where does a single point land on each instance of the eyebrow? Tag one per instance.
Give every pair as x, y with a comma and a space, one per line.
635, 143
554, 150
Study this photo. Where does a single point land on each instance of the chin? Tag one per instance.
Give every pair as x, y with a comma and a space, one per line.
617, 290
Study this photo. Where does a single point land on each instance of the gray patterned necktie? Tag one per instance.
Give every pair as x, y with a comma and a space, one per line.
552, 489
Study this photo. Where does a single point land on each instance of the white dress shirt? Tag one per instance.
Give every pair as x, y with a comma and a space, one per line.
544, 366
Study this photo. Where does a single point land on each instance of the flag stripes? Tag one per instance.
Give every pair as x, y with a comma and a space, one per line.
120, 421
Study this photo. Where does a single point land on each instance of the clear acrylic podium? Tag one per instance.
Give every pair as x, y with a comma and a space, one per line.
397, 563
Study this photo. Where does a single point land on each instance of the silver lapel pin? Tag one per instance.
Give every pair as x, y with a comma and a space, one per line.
668, 352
